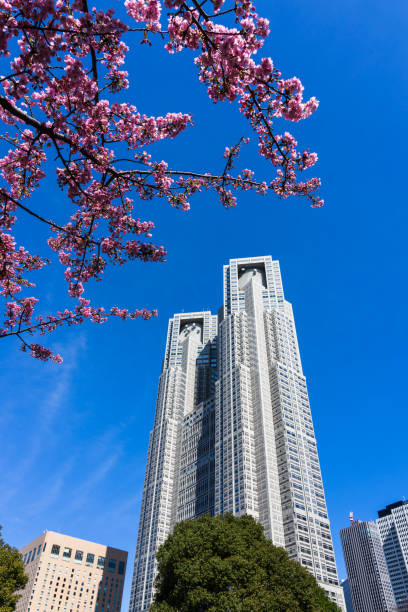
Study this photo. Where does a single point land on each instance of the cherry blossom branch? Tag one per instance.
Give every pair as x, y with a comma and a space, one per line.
67, 70
45, 28
38, 125
49, 222
93, 57
76, 318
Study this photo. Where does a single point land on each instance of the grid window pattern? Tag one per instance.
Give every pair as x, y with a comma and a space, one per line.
233, 430
64, 577
369, 581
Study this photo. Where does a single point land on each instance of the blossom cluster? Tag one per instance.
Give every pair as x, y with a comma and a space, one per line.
57, 102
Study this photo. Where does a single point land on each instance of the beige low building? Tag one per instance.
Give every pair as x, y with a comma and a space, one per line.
67, 574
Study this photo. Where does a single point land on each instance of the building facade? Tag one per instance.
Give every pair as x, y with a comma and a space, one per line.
369, 581
393, 527
347, 595
67, 574
233, 430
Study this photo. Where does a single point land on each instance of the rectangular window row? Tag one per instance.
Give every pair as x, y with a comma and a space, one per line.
90, 559
35, 553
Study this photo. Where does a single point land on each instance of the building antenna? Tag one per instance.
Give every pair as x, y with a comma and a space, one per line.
351, 517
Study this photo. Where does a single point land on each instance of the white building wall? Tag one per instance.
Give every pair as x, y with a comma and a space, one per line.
233, 429
258, 334
393, 528
189, 338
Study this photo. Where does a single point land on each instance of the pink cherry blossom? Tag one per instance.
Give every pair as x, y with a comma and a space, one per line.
59, 101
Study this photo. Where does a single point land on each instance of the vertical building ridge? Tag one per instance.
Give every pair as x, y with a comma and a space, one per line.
233, 430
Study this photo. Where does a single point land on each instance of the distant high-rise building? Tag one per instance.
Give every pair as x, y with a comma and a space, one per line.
347, 595
67, 574
369, 581
393, 527
233, 430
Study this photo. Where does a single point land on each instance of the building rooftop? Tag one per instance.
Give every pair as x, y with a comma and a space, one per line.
388, 509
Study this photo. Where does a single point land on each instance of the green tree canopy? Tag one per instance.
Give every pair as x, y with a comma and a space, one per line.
12, 576
226, 564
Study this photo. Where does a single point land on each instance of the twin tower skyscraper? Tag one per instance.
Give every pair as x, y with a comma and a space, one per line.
233, 429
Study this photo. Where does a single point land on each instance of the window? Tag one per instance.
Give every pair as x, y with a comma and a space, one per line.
90, 558
67, 553
29, 556
79, 556
55, 549
112, 565
121, 567
101, 562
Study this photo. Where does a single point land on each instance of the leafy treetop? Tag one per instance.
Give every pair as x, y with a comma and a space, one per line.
12, 576
226, 564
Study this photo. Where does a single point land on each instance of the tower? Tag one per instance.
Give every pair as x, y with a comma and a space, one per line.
179, 481
367, 572
233, 430
392, 524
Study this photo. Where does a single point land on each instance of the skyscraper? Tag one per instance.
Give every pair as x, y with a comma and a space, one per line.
233, 430
369, 581
347, 595
66, 574
393, 527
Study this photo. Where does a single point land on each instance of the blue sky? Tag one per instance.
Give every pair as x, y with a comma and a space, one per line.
74, 437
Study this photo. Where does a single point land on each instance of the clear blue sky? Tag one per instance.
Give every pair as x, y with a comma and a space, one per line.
74, 437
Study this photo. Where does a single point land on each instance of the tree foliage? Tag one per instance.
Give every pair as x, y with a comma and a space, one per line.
63, 100
226, 564
12, 576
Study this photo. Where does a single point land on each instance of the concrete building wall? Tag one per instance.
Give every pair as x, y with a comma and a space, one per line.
68, 574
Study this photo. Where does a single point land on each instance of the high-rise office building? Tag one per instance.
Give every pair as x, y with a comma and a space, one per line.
233, 430
347, 595
393, 527
369, 581
66, 574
